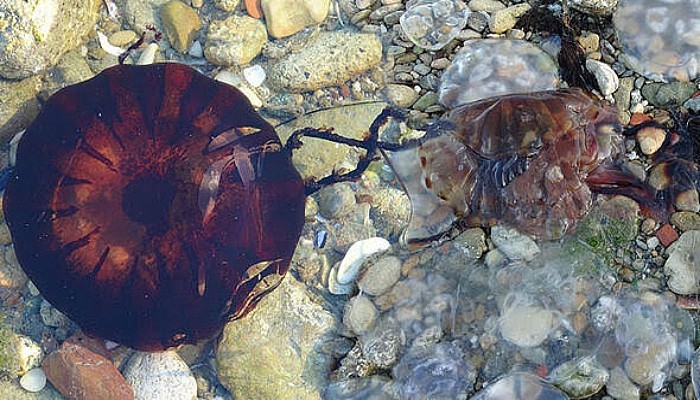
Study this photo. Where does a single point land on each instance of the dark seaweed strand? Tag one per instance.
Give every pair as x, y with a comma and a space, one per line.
371, 144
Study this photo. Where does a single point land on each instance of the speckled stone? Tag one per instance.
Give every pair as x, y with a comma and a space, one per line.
235, 40
274, 352
380, 276
160, 375
332, 59
35, 34
19, 105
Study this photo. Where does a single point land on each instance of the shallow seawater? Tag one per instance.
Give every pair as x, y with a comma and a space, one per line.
489, 314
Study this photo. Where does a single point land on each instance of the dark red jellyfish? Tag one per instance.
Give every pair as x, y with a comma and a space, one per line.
152, 204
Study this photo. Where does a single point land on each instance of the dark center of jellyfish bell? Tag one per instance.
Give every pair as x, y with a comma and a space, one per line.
147, 200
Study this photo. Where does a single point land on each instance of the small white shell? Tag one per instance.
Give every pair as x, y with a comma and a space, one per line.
33, 381
14, 142
357, 254
255, 75
338, 288
148, 56
107, 46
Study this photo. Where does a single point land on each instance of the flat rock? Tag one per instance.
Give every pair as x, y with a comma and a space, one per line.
80, 372
71, 69
19, 105
380, 276
35, 34
682, 267
526, 325
333, 58
505, 19
160, 375
235, 40
513, 244
287, 17
665, 94
273, 352
607, 79
12, 277
180, 23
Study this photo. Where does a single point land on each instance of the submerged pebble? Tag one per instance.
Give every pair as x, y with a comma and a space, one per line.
34, 380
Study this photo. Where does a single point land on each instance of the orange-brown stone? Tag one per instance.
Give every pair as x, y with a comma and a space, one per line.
81, 370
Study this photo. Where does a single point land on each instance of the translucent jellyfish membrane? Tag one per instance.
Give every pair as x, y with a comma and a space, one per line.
432, 24
643, 333
494, 67
662, 37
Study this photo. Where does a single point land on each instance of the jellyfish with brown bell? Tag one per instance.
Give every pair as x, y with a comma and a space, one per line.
152, 204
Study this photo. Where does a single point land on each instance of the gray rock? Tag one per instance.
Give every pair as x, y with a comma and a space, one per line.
390, 211
226, 5
620, 386
527, 325
35, 34
686, 221
505, 19
160, 375
594, 7
426, 100
607, 79
333, 58
318, 158
360, 314
12, 276
682, 268
71, 69
666, 94
513, 244
402, 95
19, 105
380, 276
520, 385
336, 201
140, 13
622, 99
382, 347
276, 351
580, 378
235, 40
488, 6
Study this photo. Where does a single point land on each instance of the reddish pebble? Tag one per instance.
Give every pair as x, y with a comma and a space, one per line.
666, 235
638, 118
254, 9
688, 302
81, 373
